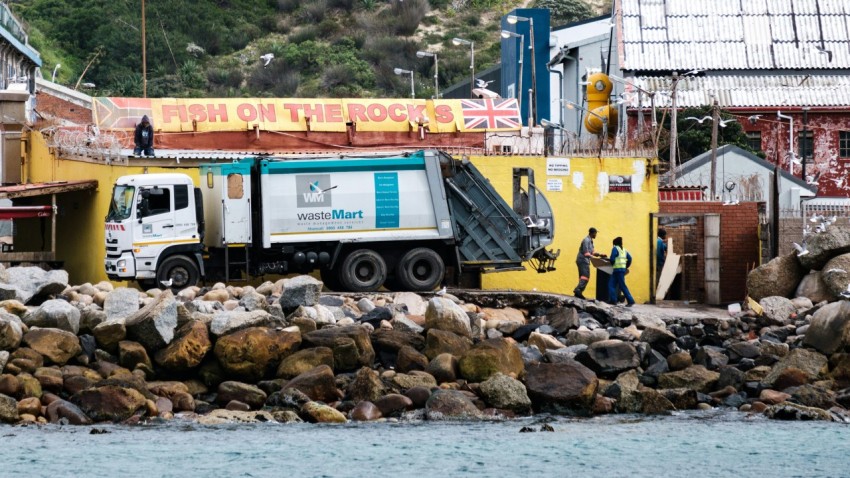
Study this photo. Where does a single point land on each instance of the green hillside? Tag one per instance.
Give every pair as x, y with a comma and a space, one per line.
212, 48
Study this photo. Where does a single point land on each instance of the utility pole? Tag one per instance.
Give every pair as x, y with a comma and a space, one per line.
805, 142
673, 126
715, 121
144, 56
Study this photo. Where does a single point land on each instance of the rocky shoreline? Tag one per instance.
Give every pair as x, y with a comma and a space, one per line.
285, 352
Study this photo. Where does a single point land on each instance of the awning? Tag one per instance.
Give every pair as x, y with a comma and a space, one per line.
25, 212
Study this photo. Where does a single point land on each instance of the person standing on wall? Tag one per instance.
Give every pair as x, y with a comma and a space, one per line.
621, 260
144, 138
660, 253
585, 252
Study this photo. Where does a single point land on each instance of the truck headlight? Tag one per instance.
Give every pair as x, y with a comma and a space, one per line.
122, 263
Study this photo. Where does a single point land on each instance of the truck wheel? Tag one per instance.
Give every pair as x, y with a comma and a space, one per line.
176, 273
421, 269
363, 270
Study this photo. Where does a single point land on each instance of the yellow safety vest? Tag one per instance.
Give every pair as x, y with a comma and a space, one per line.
621, 260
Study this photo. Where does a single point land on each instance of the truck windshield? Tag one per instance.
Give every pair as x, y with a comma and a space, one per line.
122, 203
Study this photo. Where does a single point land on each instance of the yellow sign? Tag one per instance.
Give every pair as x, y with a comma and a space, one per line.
171, 115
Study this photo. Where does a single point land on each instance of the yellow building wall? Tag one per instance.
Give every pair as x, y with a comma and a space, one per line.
581, 204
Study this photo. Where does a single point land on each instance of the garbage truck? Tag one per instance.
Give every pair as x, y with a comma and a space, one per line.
411, 221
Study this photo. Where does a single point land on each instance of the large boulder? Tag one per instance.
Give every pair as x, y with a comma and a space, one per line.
829, 330
109, 333
187, 350
55, 314
836, 274
362, 353
304, 361
441, 342
444, 405
824, 246
57, 345
298, 291
777, 309
489, 357
153, 326
11, 332
242, 392
320, 413
695, 377
778, 277
564, 387
121, 303
62, 409
250, 354
635, 398
810, 362
501, 391
444, 314
34, 285
610, 357
227, 322
318, 384
813, 287
109, 402
366, 386
8, 409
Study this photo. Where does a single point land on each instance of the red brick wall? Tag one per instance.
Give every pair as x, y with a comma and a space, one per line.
52, 106
739, 244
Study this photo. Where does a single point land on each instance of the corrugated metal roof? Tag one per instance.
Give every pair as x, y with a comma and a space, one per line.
669, 35
748, 91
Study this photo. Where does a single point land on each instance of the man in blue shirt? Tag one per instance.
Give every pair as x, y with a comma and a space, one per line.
660, 252
621, 260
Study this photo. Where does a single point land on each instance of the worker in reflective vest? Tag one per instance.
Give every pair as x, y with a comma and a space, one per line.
621, 260
585, 252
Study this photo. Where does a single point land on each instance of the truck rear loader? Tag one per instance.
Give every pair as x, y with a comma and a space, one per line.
407, 222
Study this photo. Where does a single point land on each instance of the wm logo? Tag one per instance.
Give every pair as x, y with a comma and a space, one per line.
313, 190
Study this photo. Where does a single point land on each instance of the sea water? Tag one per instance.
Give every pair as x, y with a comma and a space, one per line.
681, 445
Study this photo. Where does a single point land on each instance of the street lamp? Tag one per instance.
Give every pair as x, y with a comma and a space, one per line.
53, 78
604, 119
424, 54
460, 41
512, 19
399, 71
507, 34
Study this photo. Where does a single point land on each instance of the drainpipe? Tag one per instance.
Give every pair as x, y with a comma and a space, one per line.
790, 139
560, 99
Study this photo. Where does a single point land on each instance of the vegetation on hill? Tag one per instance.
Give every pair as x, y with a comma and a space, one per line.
321, 48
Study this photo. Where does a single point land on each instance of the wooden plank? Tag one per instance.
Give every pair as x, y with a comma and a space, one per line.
668, 272
44, 189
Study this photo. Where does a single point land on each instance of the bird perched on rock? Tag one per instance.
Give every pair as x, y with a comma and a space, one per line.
166, 283
801, 250
441, 291
267, 58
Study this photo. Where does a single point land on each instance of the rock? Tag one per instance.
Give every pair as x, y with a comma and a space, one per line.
109, 333
410, 359
305, 360
217, 295
318, 314
501, 391
121, 303
55, 314
610, 357
227, 322
153, 325
414, 302
35, 285
444, 368
778, 277
710, 357
777, 309
679, 361
4, 358
562, 319
544, 342
810, 362
418, 396
393, 340
657, 338
696, 378
813, 287
565, 387
444, 314
793, 411
366, 386
8, 409
253, 300
406, 381
327, 337
319, 413
829, 330
242, 392
250, 354
298, 291
63, 409
131, 354
824, 246
237, 405
318, 384
635, 398
439, 342
177, 393
812, 396
393, 404
10, 385
188, 349
445, 405
222, 416
365, 412
109, 402
489, 357
11, 333
57, 345
584, 336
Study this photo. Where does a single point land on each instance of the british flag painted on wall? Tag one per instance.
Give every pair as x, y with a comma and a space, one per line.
490, 114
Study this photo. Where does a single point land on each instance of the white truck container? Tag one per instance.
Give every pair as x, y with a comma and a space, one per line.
405, 222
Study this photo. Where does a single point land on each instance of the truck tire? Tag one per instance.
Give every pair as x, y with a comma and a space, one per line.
177, 271
420, 270
363, 270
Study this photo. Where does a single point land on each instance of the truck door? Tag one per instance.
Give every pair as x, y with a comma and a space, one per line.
236, 204
155, 212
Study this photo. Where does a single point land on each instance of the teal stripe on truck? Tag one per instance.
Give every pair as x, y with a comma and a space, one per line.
342, 165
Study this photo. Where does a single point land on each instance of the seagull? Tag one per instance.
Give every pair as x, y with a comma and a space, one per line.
723, 123
794, 159
166, 283
698, 120
801, 250
813, 180
441, 291
753, 118
267, 58
816, 218
807, 231
481, 83
831, 220
695, 71
821, 228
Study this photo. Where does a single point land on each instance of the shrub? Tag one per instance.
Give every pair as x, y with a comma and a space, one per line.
314, 11
288, 6
304, 33
565, 11
407, 15
346, 5
472, 20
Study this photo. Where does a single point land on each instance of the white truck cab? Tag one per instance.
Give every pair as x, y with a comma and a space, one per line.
153, 219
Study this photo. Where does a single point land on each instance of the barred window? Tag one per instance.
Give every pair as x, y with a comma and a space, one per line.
844, 144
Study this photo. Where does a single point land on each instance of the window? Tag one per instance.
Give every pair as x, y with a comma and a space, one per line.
754, 140
844, 144
181, 197
159, 201
805, 144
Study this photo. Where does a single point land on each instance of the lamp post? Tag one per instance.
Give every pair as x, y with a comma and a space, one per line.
507, 34
53, 78
512, 19
425, 54
572, 106
460, 41
400, 71
144, 56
